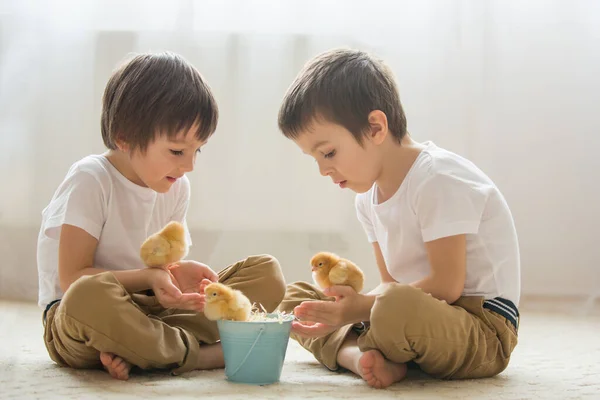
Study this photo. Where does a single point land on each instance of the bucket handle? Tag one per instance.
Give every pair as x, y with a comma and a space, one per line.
260, 332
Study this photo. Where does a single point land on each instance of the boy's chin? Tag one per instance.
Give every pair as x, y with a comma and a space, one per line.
161, 187
359, 189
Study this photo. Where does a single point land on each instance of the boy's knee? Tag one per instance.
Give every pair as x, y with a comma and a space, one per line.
296, 293
266, 263
401, 296
396, 303
277, 281
270, 271
301, 289
88, 293
266, 260
394, 310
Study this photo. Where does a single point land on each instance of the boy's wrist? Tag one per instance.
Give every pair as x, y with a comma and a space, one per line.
366, 305
150, 275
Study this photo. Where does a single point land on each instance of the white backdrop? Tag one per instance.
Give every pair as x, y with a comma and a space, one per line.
511, 85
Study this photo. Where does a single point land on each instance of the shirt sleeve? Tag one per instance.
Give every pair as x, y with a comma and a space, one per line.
362, 212
181, 207
79, 201
448, 205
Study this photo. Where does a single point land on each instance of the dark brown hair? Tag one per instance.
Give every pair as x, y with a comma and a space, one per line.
156, 94
342, 86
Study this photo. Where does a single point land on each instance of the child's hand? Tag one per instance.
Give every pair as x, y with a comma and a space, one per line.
169, 295
349, 307
309, 329
192, 276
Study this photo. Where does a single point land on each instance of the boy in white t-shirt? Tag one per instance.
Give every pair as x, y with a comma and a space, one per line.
443, 236
103, 307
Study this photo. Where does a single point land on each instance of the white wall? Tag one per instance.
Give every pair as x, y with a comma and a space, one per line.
511, 85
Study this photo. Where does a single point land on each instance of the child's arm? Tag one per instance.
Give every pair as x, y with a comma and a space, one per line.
75, 259
447, 258
76, 251
448, 261
383, 272
385, 279
76, 256
350, 306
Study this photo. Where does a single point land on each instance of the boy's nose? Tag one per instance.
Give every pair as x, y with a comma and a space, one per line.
324, 170
187, 164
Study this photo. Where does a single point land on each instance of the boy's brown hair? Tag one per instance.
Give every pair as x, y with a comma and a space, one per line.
342, 86
156, 94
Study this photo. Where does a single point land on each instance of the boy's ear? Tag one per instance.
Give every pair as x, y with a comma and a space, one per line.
122, 145
378, 126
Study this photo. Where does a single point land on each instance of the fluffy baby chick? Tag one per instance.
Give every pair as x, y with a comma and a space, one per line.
164, 247
223, 302
329, 269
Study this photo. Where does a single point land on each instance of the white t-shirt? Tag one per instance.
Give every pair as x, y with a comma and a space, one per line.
97, 198
443, 195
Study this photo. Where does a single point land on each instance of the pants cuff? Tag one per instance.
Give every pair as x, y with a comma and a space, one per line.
192, 357
332, 346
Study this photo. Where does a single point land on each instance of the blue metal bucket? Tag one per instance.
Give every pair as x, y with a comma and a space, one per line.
254, 351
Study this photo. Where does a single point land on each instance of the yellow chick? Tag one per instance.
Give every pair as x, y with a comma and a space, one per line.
164, 247
223, 302
329, 269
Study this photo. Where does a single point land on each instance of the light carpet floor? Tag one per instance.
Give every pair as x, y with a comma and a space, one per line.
558, 356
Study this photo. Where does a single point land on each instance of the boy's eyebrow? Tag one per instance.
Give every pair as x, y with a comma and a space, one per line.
182, 142
317, 145
178, 141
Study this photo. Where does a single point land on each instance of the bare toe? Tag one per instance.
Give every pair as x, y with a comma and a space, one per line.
115, 366
106, 358
379, 372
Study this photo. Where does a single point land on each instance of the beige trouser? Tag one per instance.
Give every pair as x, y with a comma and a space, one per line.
97, 315
462, 340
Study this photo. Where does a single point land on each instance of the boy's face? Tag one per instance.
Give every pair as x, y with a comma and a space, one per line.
165, 160
340, 157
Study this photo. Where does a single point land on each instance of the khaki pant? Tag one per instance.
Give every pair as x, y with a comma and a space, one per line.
97, 315
462, 340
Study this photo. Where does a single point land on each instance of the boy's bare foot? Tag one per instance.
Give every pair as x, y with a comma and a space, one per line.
116, 366
370, 365
379, 372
